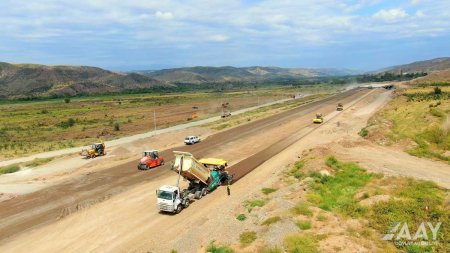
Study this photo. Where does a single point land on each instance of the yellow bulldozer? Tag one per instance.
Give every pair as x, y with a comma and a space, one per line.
97, 149
318, 119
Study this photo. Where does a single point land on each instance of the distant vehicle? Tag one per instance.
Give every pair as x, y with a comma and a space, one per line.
191, 140
340, 107
150, 160
318, 119
97, 149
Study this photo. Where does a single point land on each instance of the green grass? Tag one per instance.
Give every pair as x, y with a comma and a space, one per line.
38, 161
296, 170
250, 204
271, 220
28, 127
241, 217
303, 225
412, 198
268, 191
302, 208
9, 169
337, 192
247, 237
213, 248
421, 117
299, 243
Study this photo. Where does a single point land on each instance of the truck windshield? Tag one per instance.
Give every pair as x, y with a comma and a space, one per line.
165, 195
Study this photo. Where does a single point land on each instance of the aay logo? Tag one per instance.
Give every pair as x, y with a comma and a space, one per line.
400, 233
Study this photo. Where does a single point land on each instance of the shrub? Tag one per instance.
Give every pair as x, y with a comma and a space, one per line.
67, 100
437, 90
38, 161
268, 191
364, 133
116, 126
303, 209
271, 220
250, 204
303, 225
9, 169
241, 217
247, 237
212, 248
296, 170
67, 123
301, 243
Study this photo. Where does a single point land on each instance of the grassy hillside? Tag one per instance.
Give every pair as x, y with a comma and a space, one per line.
28, 80
329, 205
421, 66
418, 120
199, 75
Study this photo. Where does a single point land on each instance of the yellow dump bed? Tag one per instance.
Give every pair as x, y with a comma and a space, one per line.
213, 161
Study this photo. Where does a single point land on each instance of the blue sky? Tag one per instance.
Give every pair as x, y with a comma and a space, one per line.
146, 34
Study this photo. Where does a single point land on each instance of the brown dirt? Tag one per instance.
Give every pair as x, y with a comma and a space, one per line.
128, 221
44, 207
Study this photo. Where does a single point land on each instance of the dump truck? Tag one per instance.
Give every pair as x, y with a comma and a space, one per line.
202, 180
97, 149
339, 107
318, 119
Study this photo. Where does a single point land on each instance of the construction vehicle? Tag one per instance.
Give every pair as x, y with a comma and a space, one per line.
318, 119
202, 180
150, 159
225, 111
97, 149
213, 162
340, 107
193, 116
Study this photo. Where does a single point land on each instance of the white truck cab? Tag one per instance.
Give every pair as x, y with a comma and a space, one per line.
170, 199
191, 139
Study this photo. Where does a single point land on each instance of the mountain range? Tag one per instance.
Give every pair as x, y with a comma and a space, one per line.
33, 80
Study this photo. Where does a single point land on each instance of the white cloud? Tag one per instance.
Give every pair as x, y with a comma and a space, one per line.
164, 15
414, 2
391, 15
218, 38
420, 13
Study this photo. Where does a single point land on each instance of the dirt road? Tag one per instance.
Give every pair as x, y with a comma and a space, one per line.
46, 206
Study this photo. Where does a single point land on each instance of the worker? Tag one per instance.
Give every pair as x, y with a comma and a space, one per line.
228, 190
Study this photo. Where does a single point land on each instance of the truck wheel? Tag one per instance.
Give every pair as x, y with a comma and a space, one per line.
179, 208
186, 204
162, 162
198, 194
204, 191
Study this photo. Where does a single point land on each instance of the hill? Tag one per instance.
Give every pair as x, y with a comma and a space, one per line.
437, 64
28, 80
200, 75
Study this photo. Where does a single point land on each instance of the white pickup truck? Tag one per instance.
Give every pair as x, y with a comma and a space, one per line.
191, 140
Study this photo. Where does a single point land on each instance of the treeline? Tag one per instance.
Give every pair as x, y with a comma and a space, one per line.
388, 76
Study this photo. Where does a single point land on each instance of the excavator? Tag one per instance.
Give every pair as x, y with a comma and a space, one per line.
97, 149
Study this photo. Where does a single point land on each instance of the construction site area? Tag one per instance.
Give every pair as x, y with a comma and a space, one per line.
107, 204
